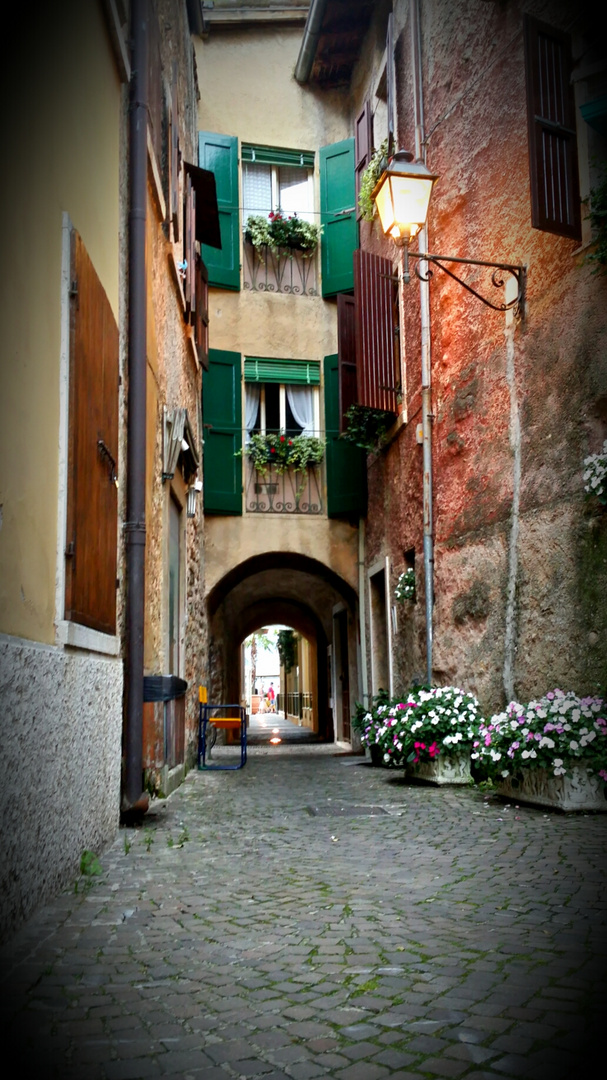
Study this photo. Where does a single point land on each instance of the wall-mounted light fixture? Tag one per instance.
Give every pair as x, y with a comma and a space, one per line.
192, 497
402, 196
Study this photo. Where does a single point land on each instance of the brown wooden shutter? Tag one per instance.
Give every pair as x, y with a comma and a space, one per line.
363, 147
555, 199
174, 159
390, 85
376, 308
189, 253
92, 515
201, 322
346, 352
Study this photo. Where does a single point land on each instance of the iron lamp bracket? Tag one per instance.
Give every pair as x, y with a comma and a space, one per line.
498, 277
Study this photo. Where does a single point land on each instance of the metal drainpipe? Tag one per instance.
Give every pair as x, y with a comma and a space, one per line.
135, 524
309, 43
426, 359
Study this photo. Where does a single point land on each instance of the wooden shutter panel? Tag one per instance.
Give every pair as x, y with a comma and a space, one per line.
377, 351
390, 82
338, 216
201, 321
346, 463
174, 159
222, 416
92, 508
219, 154
189, 252
346, 352
555, 199
363, 147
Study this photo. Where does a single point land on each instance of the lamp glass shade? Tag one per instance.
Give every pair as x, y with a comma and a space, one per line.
402, 200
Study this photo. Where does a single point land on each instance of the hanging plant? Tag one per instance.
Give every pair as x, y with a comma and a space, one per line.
287, 649
405, 586
369, 179
367, 428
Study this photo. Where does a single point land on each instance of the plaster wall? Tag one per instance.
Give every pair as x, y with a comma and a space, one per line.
62, 128
265, 105
230, 541
517, 405
61, 734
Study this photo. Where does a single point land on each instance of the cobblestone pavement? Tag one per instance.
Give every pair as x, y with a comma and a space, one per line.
311, 916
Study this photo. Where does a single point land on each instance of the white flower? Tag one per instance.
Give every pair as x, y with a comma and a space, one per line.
545, 741
573, 745
557, 763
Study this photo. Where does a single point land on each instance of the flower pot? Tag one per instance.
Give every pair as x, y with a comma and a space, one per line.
576, 790
442, 770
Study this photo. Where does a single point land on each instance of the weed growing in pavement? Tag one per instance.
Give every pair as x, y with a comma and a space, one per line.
184, 836
148, 839
127, 844
170, 842
90, 868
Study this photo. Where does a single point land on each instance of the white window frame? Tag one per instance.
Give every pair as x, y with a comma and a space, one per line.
282, 405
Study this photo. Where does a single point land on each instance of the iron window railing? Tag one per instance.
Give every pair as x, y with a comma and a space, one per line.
290, 492
279, 270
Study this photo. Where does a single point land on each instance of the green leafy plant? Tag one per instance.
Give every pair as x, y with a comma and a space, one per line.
367, 428
597, 201
277, 231
554, 733
423, 725
127, 844
148, 839
287, 648
282, 452
405, 586
90, 867
369, 178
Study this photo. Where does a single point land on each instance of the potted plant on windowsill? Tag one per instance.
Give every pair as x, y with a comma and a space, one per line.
551, 752
281, 452
368, 181
279, 233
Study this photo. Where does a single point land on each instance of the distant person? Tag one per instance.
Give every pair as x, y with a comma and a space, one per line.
271, 698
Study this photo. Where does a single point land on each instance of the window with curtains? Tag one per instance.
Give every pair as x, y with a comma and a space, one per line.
277, 181
281, 395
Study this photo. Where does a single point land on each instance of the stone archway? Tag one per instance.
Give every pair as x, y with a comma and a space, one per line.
277, 587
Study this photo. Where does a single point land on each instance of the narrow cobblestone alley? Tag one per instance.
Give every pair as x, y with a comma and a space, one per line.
311, 916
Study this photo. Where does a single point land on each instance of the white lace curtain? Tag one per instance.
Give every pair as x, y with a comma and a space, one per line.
251, 407
301, 401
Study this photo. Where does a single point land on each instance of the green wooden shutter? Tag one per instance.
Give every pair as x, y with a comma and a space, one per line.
346, 463
219, 154
338, 217
222, 416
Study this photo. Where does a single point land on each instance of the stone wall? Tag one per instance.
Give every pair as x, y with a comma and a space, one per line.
61, 736
518, 403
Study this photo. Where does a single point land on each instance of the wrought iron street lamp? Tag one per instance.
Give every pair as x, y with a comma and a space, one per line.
402, 196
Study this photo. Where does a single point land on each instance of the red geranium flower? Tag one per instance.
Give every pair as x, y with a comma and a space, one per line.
272, 450
282, 438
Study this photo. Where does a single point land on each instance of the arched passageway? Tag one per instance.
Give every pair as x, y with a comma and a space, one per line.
296, 591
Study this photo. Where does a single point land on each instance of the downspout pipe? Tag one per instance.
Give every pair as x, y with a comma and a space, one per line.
426, 358
309, 43
134, 527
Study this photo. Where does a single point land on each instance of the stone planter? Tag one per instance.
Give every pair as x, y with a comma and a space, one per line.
443, 770
577, 790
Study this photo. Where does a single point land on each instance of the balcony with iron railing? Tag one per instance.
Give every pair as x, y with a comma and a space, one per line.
280, 270
290, 492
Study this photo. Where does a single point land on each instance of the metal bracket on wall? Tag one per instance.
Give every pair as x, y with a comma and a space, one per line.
497, 278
